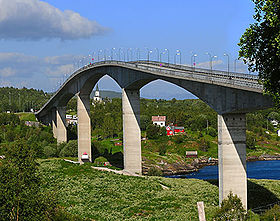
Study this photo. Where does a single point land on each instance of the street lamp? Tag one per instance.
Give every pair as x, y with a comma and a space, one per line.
178, 52
225, 54
211, 59
157, 53
138, 53
112, 53
193, 60
149, 51
237, 59
98, 54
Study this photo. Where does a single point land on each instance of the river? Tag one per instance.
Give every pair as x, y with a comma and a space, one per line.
269, 169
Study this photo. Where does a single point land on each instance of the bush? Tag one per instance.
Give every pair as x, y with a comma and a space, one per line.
250, 140
272, 214
178, 139
20, 194
153, 171
50, 151
212, 132
162, 149
153, 131
203, 144
231, 209
70, 149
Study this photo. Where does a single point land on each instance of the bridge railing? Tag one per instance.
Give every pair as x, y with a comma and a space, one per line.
230, 78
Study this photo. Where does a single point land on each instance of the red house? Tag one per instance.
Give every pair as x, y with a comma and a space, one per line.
172, 130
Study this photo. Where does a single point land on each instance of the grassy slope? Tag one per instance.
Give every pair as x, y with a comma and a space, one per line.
26, 116
107, 196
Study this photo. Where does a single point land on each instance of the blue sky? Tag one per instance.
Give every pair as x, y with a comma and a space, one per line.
40, 40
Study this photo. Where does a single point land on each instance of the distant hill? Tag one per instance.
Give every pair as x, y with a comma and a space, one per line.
108, 94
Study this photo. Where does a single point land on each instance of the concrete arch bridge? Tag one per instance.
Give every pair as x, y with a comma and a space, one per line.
231, 95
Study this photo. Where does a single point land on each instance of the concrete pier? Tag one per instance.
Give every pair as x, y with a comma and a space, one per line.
84, 126
53, 122
232, 156
131, 131
61, 131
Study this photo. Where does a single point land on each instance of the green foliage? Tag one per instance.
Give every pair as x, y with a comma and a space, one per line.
50, 151
203, 144
153, 171
70, 149
178, 139
271, 214
250, 140
231, 209
212, 132
152, 131
162, 149
18, 100
260, 45
20, 194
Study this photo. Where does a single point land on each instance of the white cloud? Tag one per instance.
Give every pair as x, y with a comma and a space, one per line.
34, 20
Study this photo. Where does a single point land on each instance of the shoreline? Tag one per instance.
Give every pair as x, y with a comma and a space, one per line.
182, 168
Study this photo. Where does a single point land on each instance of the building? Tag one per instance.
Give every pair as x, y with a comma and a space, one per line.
159, 120
71, 119
173, 130
97, 97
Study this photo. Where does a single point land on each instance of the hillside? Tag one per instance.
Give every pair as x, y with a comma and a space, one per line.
107, 196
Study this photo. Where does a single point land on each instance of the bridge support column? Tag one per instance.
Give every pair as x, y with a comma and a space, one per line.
54, 127
61, 132
84, 127
131, 131
232, 156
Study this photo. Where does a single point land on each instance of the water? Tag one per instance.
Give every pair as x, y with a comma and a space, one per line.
257, 170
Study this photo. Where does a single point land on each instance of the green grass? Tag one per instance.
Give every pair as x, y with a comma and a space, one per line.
107, 196
26, 116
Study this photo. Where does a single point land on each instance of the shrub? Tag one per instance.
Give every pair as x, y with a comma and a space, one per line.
153, 131
231, 209
70, 149
20, 194
153, 171
203, 144
178, 139
162, 149
272, 214
50, 151
212, 132
250, 140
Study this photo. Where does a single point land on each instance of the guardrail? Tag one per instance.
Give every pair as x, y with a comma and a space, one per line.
220, 77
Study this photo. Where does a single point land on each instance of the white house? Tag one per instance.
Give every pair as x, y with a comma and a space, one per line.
159, 120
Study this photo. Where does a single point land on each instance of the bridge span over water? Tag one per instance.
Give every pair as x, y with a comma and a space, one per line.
231, 95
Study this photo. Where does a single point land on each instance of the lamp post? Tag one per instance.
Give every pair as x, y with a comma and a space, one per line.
225, 54
98, 54
112, 53
157, 53
193, 60
211, 59
138, 53
149, 51
235, 60
178, 52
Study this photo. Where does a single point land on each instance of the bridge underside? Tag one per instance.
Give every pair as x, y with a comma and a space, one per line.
231, 104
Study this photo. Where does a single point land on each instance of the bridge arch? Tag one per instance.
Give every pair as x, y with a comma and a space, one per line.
231, 95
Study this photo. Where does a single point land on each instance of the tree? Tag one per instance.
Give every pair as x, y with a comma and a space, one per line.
20, 195
231, 209
260, 45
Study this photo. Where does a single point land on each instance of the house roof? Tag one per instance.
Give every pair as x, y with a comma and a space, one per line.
158, 118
